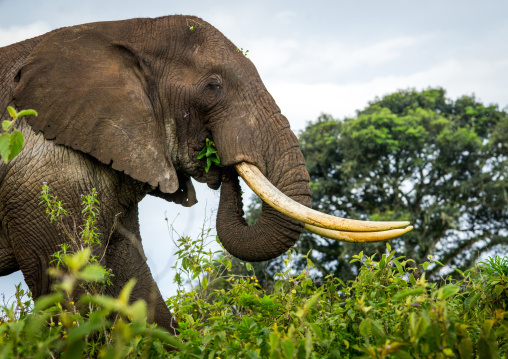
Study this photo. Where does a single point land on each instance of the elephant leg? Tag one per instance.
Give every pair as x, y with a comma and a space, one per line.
126, 258
28, 238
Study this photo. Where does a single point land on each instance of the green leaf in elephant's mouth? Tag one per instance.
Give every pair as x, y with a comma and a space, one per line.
210, 152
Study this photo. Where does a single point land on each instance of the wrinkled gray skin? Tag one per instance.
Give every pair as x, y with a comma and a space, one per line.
125, 107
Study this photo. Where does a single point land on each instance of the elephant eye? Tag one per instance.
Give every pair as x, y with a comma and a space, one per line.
212, 92
214, 86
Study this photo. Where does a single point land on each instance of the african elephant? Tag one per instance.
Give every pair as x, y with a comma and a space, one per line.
125, 107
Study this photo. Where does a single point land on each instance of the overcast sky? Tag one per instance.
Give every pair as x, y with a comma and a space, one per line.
313, 56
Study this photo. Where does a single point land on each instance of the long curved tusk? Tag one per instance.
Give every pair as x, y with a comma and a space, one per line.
278, 200
358, 237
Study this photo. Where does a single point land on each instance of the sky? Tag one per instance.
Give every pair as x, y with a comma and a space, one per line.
314, 57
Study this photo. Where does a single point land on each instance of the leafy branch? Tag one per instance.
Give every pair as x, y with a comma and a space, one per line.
190, 24
244, 52
210, 152
12, 143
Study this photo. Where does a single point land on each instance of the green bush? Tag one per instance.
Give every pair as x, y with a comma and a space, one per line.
94, 325
390, 310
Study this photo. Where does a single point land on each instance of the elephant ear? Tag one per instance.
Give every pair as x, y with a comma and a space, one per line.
98, 97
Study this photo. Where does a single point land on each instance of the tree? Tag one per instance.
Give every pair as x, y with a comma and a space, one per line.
417, 156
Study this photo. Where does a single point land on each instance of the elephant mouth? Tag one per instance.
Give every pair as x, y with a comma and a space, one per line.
325, 225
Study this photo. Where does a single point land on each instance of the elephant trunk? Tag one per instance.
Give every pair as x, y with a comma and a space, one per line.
279, 177
274, 232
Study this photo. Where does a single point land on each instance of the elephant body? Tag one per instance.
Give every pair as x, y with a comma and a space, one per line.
125, 107
27, 236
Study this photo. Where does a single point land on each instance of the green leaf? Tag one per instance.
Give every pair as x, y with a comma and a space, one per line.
412, 323
317, 330
407, 292
75, 342
412, 279
487, 349
210, 151
12, 112
202, 154
398, 265
227, 264
288, 348
459, 271
92, 273
498, 289
16, 144
27, 113
47, 301
279, 285
78, 260
204, 283
448, 352
487, 327
137, 311
377, 329
312, 300
466, 348
421, 327
470, 302
5, 146
6, 351
274, 341
308, 345
447, 291
125, 293
6, 125
364, 327
166, 338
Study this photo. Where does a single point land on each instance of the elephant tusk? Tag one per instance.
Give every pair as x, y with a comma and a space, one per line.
358, 237
282, 203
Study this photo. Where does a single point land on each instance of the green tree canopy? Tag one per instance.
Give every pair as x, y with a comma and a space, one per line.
417, 156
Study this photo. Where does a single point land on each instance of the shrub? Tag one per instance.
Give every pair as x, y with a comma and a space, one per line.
390, 310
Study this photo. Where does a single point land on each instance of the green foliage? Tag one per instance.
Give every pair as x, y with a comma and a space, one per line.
12, 143
54, 207
210, 152
192, 24
93, 326
244, 52
90, 213
389, 310
54, 326
75, 255
416, 156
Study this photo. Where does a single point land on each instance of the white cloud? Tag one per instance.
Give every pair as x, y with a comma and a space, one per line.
285, 17
302, 102
18, 33
292, 59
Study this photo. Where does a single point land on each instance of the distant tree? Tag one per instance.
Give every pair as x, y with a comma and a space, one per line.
417, 156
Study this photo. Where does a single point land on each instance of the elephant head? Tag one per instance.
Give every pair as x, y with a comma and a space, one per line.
143, 95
